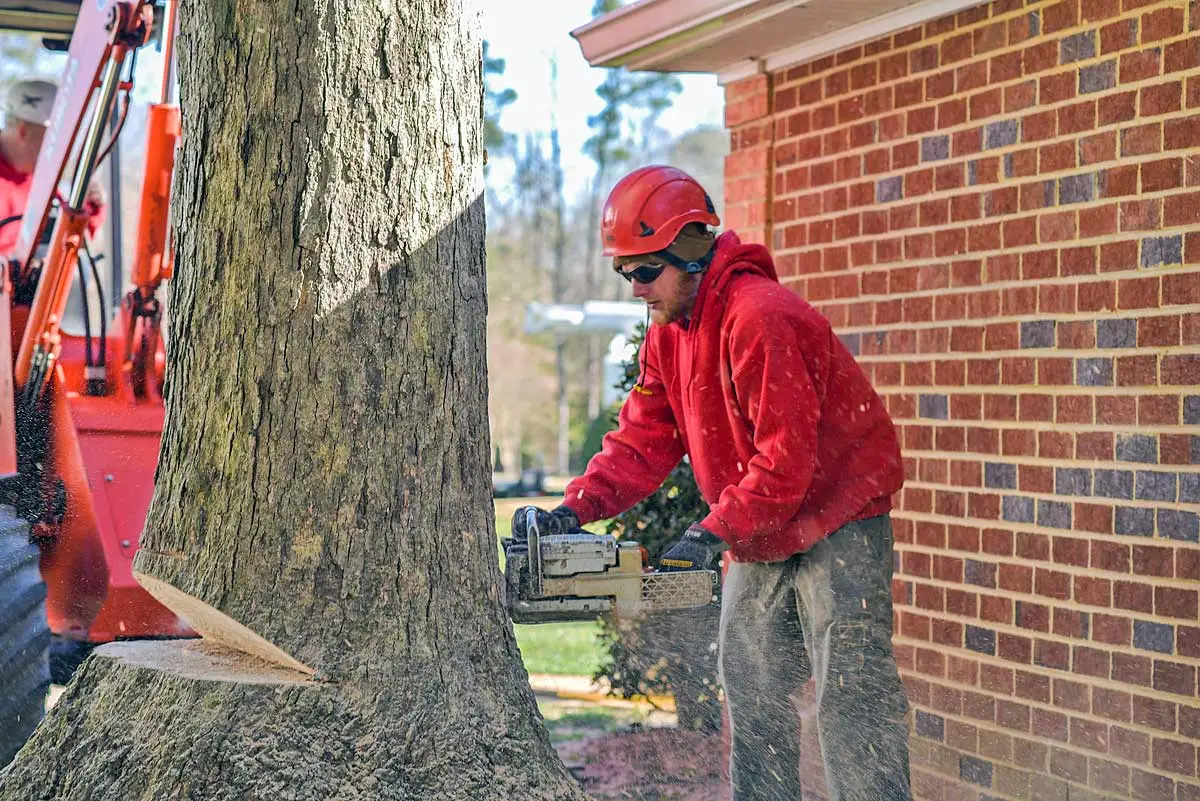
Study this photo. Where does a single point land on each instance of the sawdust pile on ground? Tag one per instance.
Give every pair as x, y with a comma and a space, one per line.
649, 765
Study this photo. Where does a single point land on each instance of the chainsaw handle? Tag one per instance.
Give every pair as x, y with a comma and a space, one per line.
534, 538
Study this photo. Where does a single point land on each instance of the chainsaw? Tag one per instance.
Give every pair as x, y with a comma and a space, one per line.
579, 576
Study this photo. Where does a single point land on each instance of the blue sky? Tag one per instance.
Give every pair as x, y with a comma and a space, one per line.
526, 34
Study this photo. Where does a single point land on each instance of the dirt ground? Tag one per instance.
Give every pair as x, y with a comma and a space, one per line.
630, 751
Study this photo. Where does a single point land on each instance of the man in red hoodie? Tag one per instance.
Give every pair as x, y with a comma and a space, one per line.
797, 459
26, 115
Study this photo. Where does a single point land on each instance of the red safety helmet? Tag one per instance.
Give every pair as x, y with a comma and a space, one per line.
648, 208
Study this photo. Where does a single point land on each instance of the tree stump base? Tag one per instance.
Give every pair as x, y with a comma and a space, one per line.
184, 719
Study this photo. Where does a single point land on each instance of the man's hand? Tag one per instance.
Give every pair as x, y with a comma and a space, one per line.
557, 521
96, 197
698, 549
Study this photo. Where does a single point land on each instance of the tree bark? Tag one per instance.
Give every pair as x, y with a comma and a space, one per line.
323, 506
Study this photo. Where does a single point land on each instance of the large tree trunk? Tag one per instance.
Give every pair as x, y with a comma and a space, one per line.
322, 512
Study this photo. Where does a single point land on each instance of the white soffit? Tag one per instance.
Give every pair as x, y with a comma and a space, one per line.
738, 38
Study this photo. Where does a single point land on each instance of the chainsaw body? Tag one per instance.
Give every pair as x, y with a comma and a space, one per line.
581, 576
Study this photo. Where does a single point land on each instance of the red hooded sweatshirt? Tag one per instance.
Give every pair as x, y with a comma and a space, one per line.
787, 439
14, 195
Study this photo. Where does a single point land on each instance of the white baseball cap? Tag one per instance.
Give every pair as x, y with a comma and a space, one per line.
30, 101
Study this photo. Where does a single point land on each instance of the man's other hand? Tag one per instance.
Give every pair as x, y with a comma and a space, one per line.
698, 549
557, 521
96, 197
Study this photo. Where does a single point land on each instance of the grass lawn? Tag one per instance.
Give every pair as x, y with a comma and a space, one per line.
560, 649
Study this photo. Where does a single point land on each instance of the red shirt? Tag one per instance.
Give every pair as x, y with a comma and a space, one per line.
786, 437
14, 194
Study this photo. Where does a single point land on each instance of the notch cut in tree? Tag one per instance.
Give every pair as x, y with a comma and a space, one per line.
324, 478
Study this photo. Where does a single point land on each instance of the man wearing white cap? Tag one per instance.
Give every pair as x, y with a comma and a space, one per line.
27, 111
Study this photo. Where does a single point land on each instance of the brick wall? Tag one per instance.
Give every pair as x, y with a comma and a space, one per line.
999, 212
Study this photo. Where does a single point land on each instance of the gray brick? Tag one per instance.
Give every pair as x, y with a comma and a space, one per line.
998, 475
1077, 48
1000, 134
930, 725
1191, 410
1150, 635
1134, 520
1048, 195
1176, 524
1114, 484
889, 189
934, 406
1120, 333
981, 641
1017, 509
1094, 372
1137, 448
1072, 481
853, 343
1158, 250
1155, 486
1035, 23
1037, 334
980, 574
935, 148
1008, 165
1076, 188
972, 173
975, 770
1098, 77
1195, 450
1189, 487
1053, 514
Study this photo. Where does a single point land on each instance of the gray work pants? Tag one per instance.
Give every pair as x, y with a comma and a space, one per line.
825, 613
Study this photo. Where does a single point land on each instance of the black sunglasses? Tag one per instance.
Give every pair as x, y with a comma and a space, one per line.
644, 274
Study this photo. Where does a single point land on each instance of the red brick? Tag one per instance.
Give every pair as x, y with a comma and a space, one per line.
1097, 221
1118, 181
1097, 445
1179, 210
1118, 36
1038, 126
1183, 55
1118, 256
1058, 227
1117, 108
1174, 756
1098, 148
1064, 14
1154, 713
1140, 215
1181, 289
1181, 370
1158, 410
1161, 99
1140, 65
1111, 630
1020, 96
1058, 87
1182, 133
1133, 596
1118, 410
1142, 140
1161, 24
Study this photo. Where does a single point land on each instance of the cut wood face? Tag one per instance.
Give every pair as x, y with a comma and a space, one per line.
219, 628
201, 660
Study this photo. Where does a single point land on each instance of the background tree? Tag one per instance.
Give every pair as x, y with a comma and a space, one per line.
629, 98
322, 507
496, 140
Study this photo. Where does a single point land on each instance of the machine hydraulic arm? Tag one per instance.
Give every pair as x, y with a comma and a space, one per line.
106, 33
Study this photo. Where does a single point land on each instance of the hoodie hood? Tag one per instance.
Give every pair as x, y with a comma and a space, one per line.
731, 259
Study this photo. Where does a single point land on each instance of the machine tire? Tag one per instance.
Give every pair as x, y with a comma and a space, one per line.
24, 635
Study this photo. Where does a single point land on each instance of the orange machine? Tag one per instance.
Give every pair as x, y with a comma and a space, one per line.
81, 416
